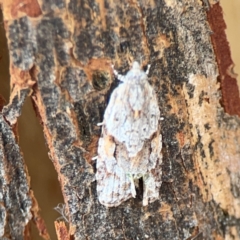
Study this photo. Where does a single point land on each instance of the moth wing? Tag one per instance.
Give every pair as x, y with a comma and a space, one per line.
150, 112
113, 188
142, 122
116, 113
152, 179
113, 185
131, 124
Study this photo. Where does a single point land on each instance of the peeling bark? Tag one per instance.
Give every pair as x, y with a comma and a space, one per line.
18, 205
61, 52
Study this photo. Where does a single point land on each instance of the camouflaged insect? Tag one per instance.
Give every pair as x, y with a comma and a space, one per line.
130, 144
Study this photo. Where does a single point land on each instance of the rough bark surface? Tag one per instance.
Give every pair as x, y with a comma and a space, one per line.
63, 51
18, 205
15, 200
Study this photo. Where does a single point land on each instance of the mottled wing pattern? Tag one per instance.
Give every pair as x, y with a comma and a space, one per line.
113, 185
152, 178
131, 123
131, 143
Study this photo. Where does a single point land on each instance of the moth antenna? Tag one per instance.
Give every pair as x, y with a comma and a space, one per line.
119, 76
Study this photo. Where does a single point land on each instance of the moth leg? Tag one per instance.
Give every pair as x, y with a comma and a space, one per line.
119, 76
148, 68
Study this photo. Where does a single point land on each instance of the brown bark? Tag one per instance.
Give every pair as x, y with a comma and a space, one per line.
61, 52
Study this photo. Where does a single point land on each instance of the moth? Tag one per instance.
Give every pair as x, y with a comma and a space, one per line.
130, 144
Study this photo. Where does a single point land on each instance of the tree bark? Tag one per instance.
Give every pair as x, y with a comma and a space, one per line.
61, 53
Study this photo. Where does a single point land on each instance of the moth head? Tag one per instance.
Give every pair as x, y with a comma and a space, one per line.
135, 66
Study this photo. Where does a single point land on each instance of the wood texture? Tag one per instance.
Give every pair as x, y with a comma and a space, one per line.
64, 51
